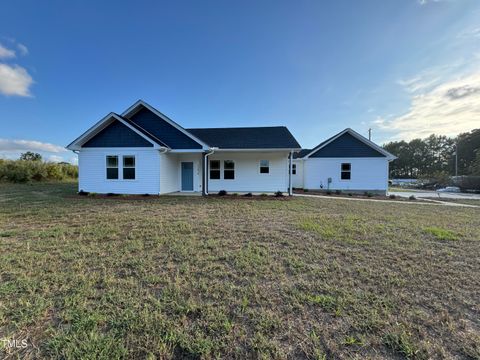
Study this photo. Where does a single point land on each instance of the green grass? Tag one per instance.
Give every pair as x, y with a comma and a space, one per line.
194, 277
441, 234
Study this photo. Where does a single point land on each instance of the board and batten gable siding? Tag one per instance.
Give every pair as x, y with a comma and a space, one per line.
247, 172
92, 171
164, 131
297, 179
369, 173
347, 146
117, 135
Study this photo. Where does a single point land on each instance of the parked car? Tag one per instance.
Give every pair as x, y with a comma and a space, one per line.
453, 189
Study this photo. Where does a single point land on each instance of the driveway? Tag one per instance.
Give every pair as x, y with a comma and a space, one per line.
434, 194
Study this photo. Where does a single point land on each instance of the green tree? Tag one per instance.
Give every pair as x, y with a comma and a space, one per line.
475, 165
30, 156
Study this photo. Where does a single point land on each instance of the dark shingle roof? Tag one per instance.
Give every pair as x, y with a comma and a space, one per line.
301, 153
274, 137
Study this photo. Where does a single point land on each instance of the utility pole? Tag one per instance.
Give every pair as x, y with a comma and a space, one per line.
456, 159
370, 134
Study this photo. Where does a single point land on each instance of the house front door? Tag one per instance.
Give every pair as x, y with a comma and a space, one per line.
187, 176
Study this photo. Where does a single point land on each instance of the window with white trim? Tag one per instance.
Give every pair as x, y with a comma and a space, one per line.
346, 172
228, 170
264, 166
214, 169
112, 167
294, 169
129, 167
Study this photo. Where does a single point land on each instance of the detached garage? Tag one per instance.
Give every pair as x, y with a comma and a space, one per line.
347, 161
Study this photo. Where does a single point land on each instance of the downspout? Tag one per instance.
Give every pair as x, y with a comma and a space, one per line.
205, 167
162, 150
290, 167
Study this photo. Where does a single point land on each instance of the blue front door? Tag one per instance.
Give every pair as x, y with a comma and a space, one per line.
187, 176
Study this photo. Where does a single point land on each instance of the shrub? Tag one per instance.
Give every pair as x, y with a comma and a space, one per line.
392, 196
305, 190
368, 194
235, 194
411, 197
112, 194
22, 171
92, 194
263, 194
222, 193
278, 194
338, 192
350, 194
83, 193
248, 195
328, 192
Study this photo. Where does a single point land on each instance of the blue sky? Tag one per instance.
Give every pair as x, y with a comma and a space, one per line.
403, 68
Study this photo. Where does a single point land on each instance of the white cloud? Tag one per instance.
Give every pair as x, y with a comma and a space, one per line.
23, 49
29, 145
448, 108
55, 158
14, 80
6, 53
425, 2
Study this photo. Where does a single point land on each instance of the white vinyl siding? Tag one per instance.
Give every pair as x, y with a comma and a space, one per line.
92, 171
169, 177
366, 173
297, 179
247, 172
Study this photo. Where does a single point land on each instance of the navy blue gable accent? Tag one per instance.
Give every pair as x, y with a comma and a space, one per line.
117, 135
162, 130
346, 145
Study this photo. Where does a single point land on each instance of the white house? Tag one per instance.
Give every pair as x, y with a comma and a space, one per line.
142, 151
347, 161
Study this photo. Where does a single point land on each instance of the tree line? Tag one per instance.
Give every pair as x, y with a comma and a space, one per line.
434, 156
30, 167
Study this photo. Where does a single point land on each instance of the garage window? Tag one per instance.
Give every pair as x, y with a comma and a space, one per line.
346, 171
112, 167
264, 166
129, 167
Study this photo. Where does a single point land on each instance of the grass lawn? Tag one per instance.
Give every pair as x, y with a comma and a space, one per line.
193, 277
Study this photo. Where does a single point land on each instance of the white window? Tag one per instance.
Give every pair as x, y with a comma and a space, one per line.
112, 167
264, 166
214, 169
346, 171
294, 169
129, 167
228, 170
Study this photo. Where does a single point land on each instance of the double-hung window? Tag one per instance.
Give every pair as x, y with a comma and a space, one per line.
112, 167
294, 169
228, 170
129, 167
264, 166
214, 169
346, 171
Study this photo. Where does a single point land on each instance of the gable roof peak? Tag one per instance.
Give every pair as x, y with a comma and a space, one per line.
356, 135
